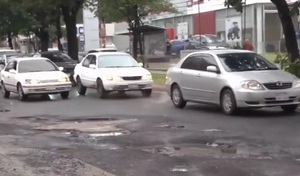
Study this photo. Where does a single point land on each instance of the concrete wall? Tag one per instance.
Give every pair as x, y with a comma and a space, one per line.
122, 42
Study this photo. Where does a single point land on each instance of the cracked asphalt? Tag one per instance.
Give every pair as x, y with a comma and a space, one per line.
135, 136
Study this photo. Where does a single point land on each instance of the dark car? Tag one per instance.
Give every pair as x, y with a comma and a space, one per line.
62, 60
210, 41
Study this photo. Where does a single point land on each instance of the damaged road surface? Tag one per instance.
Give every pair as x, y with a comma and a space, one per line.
85, 136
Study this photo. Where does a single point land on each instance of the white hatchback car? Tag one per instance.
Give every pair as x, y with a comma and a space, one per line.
112, 71
28, 76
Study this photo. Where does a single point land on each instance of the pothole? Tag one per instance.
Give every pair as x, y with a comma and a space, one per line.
86, 119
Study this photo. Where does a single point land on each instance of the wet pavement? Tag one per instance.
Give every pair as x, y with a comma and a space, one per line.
135, 136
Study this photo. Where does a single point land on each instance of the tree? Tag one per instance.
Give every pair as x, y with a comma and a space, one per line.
132, 11
285, 15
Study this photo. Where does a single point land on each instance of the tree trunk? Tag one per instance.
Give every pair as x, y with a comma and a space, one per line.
9, 40
288, 29
135, 32
44, 39
58, 31
70, 21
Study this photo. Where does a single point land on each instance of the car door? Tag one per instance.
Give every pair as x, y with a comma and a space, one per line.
189, 76
14, 77
91, 72
83, 70
7, 76
209, 83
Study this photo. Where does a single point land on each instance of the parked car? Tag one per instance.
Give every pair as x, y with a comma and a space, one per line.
112, 71
29, 76
210, 41
8, 51
6, 58
60, 59
232, 79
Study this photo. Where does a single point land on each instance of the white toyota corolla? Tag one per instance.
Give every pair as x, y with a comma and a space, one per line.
112, 71
28, 76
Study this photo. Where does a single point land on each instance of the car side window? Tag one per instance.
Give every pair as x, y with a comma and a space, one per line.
15, 65
93, 60
86, 62
191, 63
9, 66
207, 60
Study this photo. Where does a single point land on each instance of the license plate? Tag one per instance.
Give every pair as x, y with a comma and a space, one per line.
282, 98
134, 86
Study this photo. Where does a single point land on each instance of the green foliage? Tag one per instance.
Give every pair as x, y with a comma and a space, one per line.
236, 4
285, 63
123, 10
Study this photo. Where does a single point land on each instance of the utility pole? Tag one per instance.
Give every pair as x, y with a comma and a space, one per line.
199, 21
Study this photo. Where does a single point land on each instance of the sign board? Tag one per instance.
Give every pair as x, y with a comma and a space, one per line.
91, 30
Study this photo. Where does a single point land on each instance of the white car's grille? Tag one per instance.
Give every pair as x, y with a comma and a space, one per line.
49, 81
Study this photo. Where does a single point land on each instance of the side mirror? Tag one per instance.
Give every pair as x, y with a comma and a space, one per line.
212, 69
92, 66
141, 64
61, 68
12, 71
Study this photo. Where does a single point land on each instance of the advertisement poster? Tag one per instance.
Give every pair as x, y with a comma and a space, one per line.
155, 45
182, 30
233, 29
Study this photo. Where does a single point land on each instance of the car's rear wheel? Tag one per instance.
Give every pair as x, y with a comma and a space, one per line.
147, 92
5, 93
177, 98
21, 94
80, 88
289, 108
100, 89
228, 102
64, 95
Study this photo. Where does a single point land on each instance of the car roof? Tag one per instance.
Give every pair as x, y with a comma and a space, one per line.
222, 51
110, 53
29, 58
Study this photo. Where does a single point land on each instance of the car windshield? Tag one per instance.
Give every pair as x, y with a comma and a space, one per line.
57, 57
38, 65
212, 39
115, 61
235, 62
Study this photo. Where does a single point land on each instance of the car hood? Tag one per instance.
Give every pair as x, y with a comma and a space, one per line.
130, 71
265, 76
42, 75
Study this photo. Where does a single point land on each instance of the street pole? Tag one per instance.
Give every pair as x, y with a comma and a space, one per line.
245, 16
199, 21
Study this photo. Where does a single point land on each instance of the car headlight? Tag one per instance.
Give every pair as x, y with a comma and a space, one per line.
147, 77
32, 81
252, 85
64, 79
114, 78
297, 83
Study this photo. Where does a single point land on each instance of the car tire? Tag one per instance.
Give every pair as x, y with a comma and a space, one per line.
21, 95
64, 95
289, 108
6, 94
228, 102
100, 89
177, 98
147, 93
80, 88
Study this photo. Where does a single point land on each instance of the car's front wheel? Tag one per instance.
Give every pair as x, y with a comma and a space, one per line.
228, 102
64, 95
289, 108
177, 98
100, 89
147, 92
80, 88
5, 93
21, 94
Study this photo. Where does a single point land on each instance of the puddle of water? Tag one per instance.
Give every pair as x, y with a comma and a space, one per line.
85, 119
169, 126
211, 130
183, 169
179, 170
298, 160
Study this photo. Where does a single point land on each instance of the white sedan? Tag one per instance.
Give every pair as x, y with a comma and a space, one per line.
28, 76
112, 71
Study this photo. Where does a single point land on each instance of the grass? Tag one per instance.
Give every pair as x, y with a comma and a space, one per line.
270, 56
159, 78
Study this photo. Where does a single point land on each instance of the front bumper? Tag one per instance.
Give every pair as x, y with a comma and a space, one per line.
267, 98
127, 85
47, 88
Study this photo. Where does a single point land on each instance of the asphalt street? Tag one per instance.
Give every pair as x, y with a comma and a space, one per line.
129, 135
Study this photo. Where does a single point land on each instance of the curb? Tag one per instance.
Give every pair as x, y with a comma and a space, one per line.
158, 88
